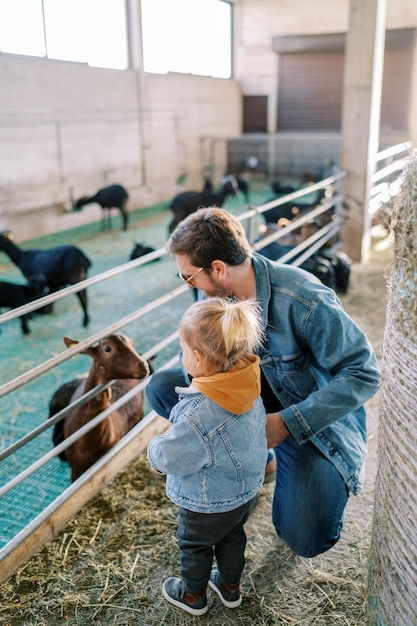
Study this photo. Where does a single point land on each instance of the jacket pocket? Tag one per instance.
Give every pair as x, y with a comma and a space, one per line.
292, 375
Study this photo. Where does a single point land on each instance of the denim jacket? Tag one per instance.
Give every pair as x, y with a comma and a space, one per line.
319, 364
214, 459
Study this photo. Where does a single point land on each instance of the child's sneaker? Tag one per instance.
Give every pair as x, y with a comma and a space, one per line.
229, 594
173, 590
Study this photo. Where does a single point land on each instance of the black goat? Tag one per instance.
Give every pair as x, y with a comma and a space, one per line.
289, 210
13, 295
139, 250
242, 185
208, 186
112, 197
187, 202
281, 190
59, 266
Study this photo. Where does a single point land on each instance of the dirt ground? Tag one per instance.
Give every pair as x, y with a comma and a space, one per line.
107, 565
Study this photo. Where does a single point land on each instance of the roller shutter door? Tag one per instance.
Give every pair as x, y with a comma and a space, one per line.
396, 89
311, 89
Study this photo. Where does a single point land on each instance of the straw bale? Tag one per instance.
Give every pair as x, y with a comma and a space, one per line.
392, 571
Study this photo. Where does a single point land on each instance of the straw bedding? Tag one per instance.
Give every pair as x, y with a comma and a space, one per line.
107, 565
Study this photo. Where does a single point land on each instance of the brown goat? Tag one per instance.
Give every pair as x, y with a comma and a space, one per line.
114, 358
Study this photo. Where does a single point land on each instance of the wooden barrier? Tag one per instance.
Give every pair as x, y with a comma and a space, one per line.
53, 518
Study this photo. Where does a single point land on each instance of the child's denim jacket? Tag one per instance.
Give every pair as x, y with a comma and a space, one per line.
214, 458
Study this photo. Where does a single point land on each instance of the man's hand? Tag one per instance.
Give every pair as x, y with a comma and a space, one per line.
276, 431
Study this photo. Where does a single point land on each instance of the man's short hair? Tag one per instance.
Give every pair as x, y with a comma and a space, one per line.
210, 234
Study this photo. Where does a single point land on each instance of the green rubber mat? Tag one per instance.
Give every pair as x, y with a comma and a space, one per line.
110, 300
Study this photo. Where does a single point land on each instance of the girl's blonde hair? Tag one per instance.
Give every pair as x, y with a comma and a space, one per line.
222, 330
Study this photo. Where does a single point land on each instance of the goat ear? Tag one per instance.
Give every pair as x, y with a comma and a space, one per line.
70, 342
91, 351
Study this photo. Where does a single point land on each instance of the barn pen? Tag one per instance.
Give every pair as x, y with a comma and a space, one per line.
393, 572
317, 586
147, 310
105, 566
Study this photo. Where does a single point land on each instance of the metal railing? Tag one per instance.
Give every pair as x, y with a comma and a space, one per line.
387, 178
17, 548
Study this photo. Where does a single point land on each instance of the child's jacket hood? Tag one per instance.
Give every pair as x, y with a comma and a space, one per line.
235, 390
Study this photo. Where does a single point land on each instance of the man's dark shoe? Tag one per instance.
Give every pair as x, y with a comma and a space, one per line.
173, 590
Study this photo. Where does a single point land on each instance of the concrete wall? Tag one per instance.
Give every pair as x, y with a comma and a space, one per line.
68, 128
257, 21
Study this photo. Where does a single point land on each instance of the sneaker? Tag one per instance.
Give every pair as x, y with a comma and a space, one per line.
271, 467
229, 594
173, 590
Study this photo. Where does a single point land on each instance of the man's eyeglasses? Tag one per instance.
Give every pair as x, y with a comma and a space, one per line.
188, 279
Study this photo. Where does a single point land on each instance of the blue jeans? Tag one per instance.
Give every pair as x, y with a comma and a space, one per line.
310, 495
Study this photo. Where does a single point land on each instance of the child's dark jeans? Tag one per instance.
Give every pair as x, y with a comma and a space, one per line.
202, 535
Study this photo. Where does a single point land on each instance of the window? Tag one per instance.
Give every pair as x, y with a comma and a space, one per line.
87, 31
187, 36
